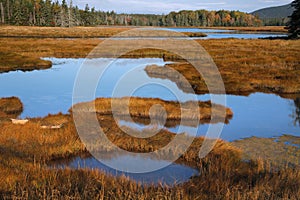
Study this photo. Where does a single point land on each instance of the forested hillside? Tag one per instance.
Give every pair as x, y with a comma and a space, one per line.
275, 15
53, 13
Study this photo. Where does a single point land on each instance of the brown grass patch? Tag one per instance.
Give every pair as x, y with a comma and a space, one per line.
245, 66
25, 148
59, 32
146, 107
10, 107
12, 62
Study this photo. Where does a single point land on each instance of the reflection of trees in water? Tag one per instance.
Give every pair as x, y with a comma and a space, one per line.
296, 113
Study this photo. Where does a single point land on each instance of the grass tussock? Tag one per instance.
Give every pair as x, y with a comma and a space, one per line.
10, 107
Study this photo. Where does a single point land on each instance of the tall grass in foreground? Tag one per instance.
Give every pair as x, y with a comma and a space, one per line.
25, 150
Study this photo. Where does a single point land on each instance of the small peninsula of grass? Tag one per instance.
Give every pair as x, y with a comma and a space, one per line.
141, 108
10, 107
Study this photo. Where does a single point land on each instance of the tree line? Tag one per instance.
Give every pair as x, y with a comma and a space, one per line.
54, 13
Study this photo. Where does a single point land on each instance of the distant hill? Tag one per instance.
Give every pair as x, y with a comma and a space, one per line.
274, 15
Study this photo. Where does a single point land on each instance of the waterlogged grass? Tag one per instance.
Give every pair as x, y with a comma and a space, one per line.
276, 152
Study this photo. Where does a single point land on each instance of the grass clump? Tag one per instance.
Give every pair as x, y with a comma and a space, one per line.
10, 107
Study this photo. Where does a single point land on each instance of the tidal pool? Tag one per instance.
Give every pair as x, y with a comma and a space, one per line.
172, 174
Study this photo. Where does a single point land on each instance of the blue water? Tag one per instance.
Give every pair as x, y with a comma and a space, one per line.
50, 91
260, 115
223, 34
172, 174
197, 30
211, 34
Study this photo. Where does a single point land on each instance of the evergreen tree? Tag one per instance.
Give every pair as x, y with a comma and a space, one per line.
59, 13
294, 24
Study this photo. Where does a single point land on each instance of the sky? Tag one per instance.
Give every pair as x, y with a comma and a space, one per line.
165, 6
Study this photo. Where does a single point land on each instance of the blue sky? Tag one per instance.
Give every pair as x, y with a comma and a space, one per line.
165, 6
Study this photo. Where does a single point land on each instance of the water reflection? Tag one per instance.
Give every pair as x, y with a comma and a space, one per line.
50, 91
296, 113
222, 34
172, 174
259, 115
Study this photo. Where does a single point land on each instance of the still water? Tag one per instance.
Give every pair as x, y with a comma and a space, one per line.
222, 34
172, 174
50, 91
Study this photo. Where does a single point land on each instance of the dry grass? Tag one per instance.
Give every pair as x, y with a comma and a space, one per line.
246, 66
12, 62
59, 32
25, 149
74, 32
25, 54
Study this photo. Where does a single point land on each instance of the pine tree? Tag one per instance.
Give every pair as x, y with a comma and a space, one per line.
2, 13
17, 13
294, 24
